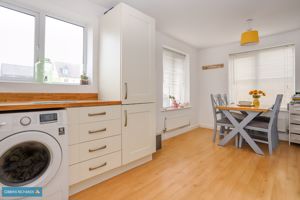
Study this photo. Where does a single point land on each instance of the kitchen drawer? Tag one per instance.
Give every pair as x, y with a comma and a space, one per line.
97, 130
74, 154
99, 165
99, 113
295, 128
100, 147
295, 109
295, 119
295, 138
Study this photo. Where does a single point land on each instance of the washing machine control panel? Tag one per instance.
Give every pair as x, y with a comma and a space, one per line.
48, 118
25, 121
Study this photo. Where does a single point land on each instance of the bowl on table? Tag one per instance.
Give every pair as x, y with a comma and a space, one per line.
245, 103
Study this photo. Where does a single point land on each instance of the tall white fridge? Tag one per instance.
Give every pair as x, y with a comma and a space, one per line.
127, 73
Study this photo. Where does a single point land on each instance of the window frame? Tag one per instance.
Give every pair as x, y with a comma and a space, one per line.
39, 38
187, 78
231, 84
36, 38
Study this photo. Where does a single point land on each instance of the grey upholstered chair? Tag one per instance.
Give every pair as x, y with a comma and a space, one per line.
219, 118
265, 131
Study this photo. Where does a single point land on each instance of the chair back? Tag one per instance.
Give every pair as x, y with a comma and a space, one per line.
217, 100
225, 99
275, 112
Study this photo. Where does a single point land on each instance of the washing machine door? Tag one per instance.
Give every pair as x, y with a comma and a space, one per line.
30, 158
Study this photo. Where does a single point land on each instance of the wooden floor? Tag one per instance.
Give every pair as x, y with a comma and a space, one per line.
191, 167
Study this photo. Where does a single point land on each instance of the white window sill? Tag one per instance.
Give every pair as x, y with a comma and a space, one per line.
175, 109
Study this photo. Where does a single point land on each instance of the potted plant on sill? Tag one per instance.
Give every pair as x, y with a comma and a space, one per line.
84, 79
174, 103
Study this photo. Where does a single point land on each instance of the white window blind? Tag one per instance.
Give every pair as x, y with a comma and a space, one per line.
175, 77
271, 70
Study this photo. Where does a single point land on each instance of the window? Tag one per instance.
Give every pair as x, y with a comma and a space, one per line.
17, 41
39, 48
64, 48
175, 78
271, 70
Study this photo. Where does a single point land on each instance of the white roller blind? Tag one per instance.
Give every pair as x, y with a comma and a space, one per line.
175, 69
271, 70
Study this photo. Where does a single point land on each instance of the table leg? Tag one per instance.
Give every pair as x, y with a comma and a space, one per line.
239, 128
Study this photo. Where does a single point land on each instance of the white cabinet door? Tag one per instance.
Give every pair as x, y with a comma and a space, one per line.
138, 131
138, 43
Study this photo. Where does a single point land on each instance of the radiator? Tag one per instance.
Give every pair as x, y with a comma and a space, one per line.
176, 122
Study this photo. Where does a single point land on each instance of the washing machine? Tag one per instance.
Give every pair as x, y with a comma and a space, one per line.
34, 153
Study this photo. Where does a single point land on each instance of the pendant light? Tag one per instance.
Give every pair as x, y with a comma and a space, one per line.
250, 36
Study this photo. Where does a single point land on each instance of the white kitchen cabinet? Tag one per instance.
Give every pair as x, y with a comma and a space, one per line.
127, 46
138, 131
294, 123
95, 141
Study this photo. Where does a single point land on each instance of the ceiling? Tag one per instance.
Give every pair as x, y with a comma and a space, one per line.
206, 23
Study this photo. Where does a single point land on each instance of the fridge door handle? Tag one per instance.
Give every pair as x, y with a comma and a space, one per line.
126, 90
125, 123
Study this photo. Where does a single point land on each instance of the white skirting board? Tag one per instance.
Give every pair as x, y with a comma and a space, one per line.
102, 177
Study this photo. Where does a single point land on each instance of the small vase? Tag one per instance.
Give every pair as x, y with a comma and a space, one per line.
256, 102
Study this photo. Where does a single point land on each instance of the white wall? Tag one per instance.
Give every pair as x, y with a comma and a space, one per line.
216, 80
80, 11
164, 40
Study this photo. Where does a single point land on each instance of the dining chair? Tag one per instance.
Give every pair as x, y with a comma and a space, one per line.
266, 131
219, 118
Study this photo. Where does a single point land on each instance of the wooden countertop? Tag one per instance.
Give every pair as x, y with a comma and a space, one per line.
34, 105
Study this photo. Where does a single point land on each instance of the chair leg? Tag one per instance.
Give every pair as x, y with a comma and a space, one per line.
270, 143
237, 141
214, 133
240, 141
222, 130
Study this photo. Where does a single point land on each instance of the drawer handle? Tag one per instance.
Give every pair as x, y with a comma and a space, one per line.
126, 91
126, 120
98, 149
93, 168
97, 131
3, 123
96, 114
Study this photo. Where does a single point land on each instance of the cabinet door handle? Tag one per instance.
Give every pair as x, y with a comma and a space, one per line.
96, 114
125, 113
126, 91
98, 149
93, 168
97, 131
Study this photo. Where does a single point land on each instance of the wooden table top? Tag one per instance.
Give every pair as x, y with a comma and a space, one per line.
236, 107
14, 106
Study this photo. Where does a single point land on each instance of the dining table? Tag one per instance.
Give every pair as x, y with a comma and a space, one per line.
239, 126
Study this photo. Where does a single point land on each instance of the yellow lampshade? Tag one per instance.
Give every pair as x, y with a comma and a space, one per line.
249, 37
